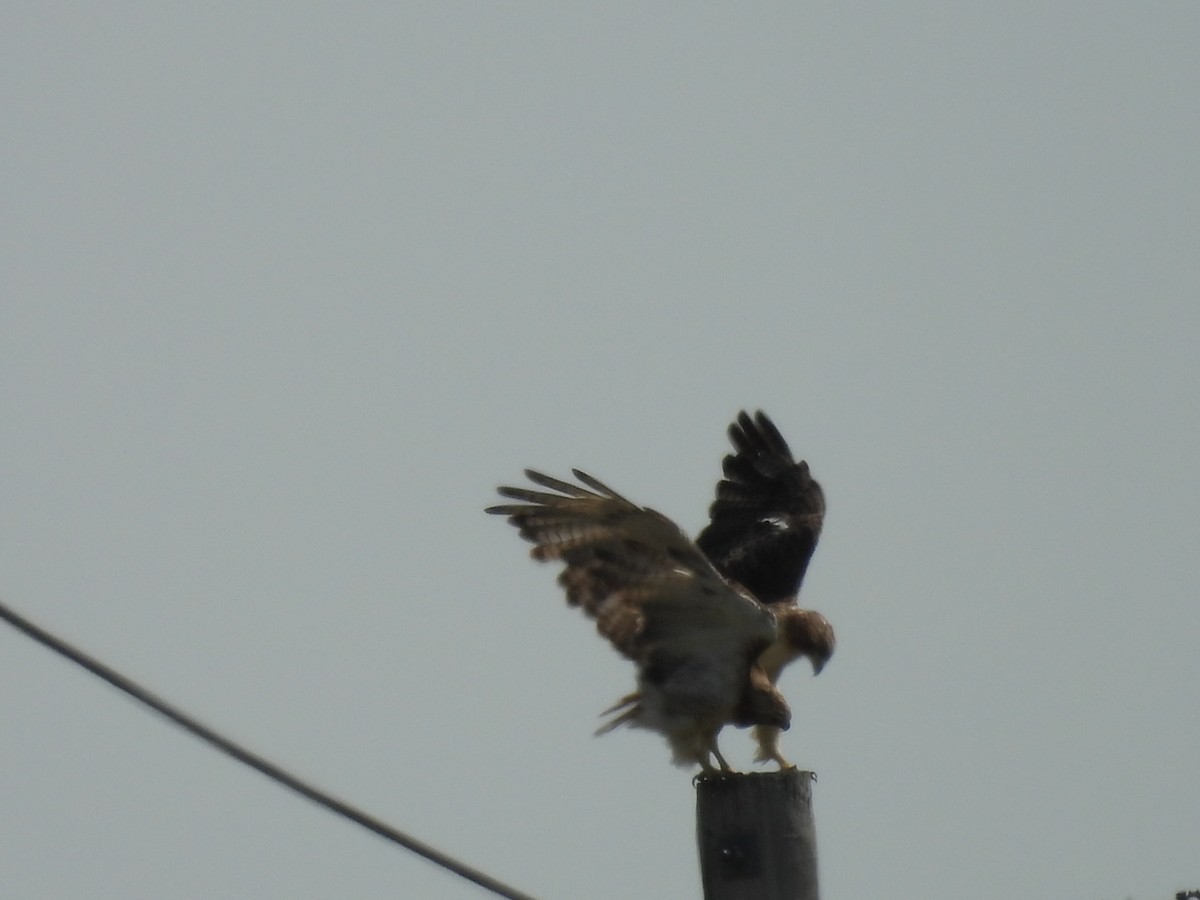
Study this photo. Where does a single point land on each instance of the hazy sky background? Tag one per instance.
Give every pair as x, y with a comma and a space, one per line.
288, 290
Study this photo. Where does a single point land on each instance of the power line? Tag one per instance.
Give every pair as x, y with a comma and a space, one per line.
253, 760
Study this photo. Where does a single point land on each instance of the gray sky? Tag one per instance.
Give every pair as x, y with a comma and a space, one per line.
288, 292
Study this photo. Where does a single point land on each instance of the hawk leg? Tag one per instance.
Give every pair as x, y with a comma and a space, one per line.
768, 747
712, 748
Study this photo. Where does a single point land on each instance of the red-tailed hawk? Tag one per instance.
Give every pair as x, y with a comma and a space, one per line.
711, 624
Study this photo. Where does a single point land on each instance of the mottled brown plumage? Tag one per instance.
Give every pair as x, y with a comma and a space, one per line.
708, 649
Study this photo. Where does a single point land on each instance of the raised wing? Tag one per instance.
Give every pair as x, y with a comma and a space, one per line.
651, 591
765, 521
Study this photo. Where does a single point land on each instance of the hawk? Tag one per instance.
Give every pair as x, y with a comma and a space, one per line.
709, 624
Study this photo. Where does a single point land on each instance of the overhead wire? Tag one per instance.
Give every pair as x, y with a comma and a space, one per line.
255, 761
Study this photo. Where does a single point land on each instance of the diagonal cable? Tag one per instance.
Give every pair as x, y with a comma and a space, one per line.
253, 760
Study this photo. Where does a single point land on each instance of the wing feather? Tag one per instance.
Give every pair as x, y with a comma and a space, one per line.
767, 515
647, 586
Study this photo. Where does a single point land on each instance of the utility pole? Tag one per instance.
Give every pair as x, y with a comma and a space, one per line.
756, 836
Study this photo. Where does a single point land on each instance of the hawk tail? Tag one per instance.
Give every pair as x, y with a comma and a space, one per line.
630, 709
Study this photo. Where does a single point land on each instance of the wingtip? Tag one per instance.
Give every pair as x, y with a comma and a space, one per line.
597, 485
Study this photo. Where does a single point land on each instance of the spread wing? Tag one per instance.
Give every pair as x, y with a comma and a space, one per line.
765, 521
651, 591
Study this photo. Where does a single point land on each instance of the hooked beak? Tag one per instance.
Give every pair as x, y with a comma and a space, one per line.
817, 664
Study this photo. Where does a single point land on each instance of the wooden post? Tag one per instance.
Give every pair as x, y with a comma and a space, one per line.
756, 836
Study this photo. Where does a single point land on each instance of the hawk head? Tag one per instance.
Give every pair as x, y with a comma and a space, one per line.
808, 634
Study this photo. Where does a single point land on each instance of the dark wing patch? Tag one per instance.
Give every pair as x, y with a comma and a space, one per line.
765, 521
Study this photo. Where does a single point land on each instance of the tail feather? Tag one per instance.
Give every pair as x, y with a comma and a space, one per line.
630, 703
